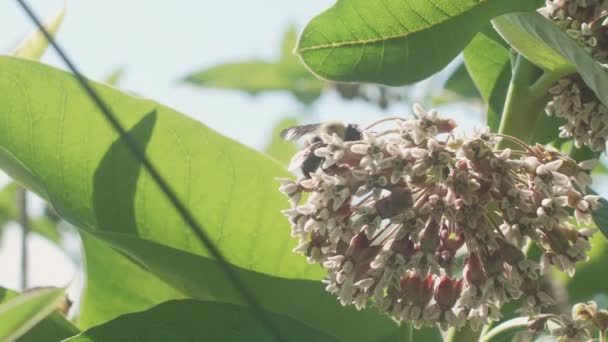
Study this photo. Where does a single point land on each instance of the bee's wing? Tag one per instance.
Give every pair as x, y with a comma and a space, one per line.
296, 132
298, 159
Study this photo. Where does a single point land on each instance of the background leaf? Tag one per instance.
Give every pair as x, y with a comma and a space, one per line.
196, 320
286, 74
21, 313
35, 45
395, 42
52, 328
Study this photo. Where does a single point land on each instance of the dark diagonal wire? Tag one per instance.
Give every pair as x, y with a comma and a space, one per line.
186, 215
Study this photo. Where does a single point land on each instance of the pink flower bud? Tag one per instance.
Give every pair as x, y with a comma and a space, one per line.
473, 272
447, 292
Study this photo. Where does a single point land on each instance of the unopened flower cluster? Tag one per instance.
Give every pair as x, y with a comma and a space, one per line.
429, 228
581, 325
587, 118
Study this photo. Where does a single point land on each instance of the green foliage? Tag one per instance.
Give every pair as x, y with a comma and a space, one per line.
191, 319
460, 83
201, 278
116, 286
35, 45
109, 193
394, 42
488, 61
26, 312
286, 74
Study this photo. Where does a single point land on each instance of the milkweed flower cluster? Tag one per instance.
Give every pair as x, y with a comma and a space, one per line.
586, 21
429, 228
579, 326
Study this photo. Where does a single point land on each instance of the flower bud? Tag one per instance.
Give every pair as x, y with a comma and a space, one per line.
447, 292
473, 272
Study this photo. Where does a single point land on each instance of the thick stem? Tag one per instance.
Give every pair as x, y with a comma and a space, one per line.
25, 228
521, 110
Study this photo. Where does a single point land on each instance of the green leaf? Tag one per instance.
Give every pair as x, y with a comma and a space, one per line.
590, 278
95, 183
35, 45
20, 314
395, 42
460, 82
53, 328
287, 74
600, 216
198, 320
303, 300
115, 76
488, 61
506, 330
280, 149
541, 34
115, 285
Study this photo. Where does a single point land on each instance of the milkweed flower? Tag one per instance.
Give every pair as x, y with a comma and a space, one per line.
587, 117
391, 216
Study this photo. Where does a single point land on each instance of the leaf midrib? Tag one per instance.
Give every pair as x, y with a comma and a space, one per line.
387, 38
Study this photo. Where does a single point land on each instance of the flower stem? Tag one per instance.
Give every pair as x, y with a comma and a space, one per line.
521, 110
526, 99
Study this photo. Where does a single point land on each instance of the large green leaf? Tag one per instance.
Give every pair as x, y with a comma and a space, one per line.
304, 300
23, 312
192, 320
488, 62
52, 328
115, 285
95, 183
395, 42
35, 45
278, 148
286, 74
530, 33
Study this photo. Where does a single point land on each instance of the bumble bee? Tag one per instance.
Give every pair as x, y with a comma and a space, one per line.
306, 160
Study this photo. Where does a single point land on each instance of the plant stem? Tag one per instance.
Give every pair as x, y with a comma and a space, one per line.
407, 332
25, 228
521, 109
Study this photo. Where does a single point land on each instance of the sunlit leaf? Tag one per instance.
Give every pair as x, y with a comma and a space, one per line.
229, 187
198, 320
23, 312
115, 285
35, 45
395, 42
201, 278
